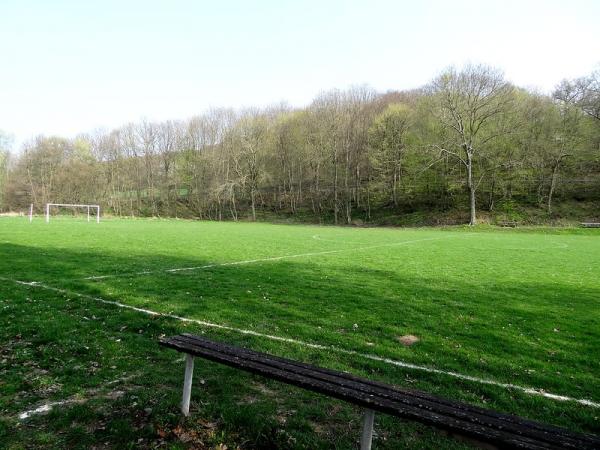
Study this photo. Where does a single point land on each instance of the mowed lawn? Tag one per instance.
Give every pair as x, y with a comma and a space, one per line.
518, 307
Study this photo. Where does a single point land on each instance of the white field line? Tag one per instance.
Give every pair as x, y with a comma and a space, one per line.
46, 407
316, 237
259, 260
92, 393
403, 364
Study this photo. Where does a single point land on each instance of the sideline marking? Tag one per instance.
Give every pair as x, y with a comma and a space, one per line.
406, 365
252, 261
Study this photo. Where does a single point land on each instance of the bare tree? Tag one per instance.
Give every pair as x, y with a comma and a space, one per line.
251, 132
583, 92
467, 103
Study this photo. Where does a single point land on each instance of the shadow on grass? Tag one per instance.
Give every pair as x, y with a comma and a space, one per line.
62, 346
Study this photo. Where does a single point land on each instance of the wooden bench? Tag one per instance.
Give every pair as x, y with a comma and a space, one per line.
508, 223
478, 425
590, 225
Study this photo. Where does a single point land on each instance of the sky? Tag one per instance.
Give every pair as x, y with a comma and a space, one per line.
74, 66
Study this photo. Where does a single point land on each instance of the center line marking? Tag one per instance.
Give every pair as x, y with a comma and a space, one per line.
258, 260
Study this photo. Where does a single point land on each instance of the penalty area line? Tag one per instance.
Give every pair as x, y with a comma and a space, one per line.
389, 361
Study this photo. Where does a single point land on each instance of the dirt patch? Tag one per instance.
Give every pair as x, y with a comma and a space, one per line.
408, 340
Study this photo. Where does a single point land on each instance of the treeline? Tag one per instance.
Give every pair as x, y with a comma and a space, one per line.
468, 141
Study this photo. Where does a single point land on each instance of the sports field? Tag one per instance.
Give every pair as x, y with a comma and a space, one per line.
507, 319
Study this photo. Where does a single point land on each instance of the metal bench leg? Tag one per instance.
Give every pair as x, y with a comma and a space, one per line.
367, 430
187, 384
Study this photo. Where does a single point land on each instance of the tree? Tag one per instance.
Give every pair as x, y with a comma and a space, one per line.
471, 104
566, 140
5, 144
356, 117
468, 136
583, 92
289, 149
388, 140
252, 133
341, 132
326, 114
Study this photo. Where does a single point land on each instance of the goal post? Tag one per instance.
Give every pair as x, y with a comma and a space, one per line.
89, 209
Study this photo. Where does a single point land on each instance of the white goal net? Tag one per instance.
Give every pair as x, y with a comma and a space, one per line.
89, 210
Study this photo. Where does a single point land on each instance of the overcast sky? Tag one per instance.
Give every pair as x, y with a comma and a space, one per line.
72, 66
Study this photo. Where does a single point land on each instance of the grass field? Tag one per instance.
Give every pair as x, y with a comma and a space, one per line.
507, 319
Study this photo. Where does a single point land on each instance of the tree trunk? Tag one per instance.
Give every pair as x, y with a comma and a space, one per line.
491, 197
395, 188
335, 192
232, 206
553, 185
471, 185
348, 193
540, 195
253, 204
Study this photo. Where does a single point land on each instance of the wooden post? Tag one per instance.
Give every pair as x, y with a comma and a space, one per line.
187, 384
367, 431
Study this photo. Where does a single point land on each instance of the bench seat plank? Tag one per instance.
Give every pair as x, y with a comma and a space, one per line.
378, 387
419, 399
458, 418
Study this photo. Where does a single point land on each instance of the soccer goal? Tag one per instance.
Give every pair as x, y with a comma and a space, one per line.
91, 209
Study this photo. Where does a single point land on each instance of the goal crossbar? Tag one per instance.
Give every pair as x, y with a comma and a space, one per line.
74, 205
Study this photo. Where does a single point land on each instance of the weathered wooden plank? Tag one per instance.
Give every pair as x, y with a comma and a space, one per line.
478, 432
502, 425
460, 410
455, 417
387, 392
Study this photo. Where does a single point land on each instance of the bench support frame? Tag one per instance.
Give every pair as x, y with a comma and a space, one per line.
366, 437
367, 430
187, 384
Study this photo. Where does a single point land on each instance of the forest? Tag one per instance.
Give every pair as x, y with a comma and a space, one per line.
467, 147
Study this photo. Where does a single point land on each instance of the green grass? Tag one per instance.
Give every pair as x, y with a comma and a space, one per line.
512, 306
